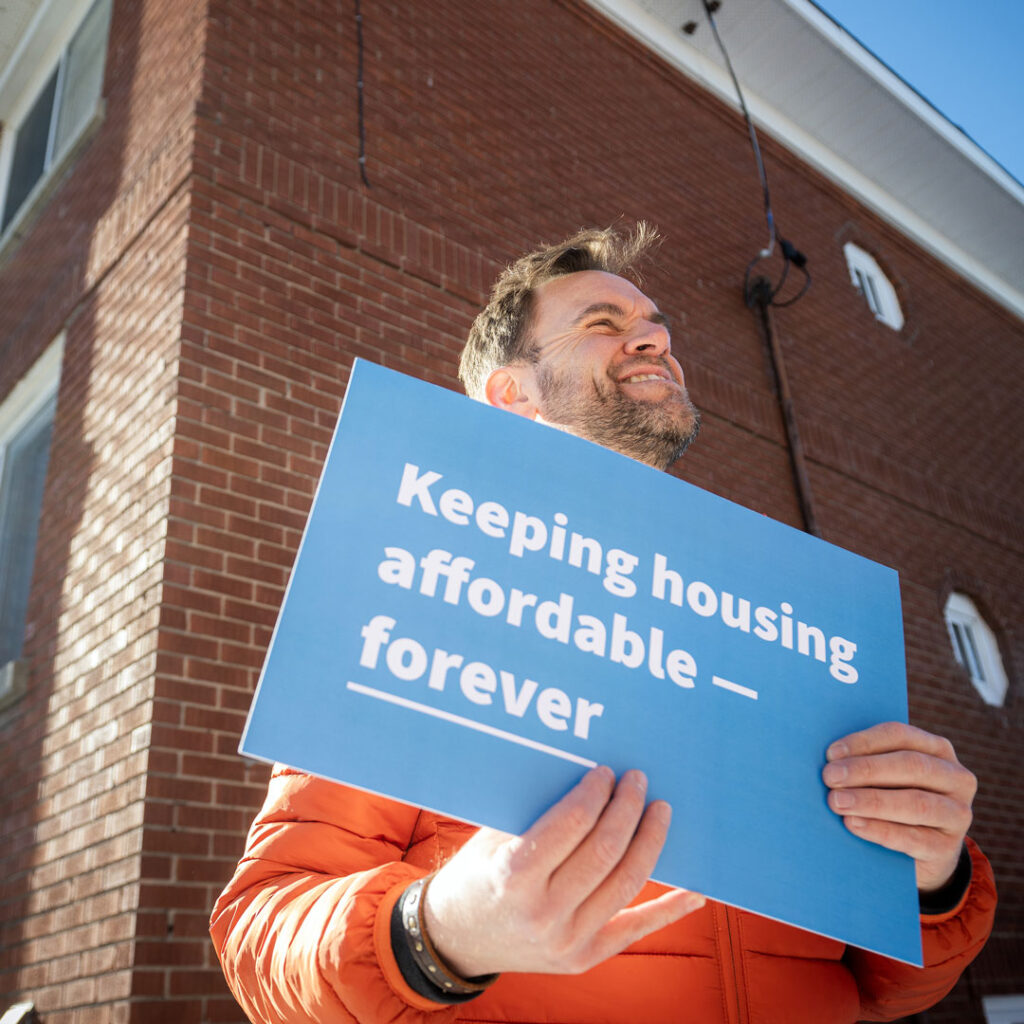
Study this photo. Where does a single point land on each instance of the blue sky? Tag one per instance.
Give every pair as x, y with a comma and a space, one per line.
963, 56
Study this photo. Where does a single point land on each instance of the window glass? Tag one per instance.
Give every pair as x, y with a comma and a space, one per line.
975, 648
83, 76
59, 114
25, 457
30, 151
870, 280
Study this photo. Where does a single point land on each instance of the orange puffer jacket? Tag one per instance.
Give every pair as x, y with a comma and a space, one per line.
303, 933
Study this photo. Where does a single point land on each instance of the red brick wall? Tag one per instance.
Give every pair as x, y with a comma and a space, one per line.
104, 260
488, 127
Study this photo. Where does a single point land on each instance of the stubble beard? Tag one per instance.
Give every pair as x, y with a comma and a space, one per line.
656, 433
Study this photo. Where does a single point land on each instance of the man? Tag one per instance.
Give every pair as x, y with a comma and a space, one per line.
350, 907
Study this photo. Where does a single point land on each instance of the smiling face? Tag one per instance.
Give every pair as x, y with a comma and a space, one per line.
602, 369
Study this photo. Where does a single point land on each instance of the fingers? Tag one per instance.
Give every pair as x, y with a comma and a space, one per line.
890, 736
633, 923
601, 852
555, 899
902, 769
935, 852
586, 837
921, 843
620, 882
903, 807
904, 789
556, 834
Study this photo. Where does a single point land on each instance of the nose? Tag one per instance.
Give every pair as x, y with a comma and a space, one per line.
648, 337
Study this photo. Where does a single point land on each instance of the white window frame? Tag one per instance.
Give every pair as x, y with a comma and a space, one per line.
42, 49
28, 397
975, 648
873, 284
1003, 1009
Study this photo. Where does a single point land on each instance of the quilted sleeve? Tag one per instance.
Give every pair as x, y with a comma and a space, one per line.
890, 989
302, 929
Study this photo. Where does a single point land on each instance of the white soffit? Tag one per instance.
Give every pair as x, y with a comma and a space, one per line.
813, 87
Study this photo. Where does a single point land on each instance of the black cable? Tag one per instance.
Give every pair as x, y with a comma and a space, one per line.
790, 254
769, 216
359, 91
758, 294
799, 294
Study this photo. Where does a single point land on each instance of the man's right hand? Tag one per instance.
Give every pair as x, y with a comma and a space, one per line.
555, 899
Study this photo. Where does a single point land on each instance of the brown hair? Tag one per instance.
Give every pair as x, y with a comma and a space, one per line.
500, 335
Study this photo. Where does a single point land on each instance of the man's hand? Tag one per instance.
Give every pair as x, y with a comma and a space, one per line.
903, 788
554, 900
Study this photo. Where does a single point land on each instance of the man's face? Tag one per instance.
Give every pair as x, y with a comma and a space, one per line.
604, 369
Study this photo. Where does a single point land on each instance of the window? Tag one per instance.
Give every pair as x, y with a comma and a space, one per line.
26, 428
1004, 1009
975, 648
870, 280
54, 105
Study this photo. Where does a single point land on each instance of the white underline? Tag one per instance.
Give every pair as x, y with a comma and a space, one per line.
424, 709
727, 684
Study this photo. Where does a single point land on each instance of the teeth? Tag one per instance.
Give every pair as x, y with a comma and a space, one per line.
642, 377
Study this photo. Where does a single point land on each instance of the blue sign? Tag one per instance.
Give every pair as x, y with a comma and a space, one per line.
483, 607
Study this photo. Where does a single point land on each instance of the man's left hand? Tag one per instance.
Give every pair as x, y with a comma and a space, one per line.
903, 788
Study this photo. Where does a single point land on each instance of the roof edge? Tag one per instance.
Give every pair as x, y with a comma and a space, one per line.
654, 33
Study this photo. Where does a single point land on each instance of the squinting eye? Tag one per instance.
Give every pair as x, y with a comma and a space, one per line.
601, 323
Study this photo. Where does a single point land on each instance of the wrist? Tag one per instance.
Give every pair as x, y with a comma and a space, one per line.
453, 926
423, 967
947, 896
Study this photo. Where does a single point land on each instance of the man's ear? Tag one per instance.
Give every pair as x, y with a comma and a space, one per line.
508, 388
